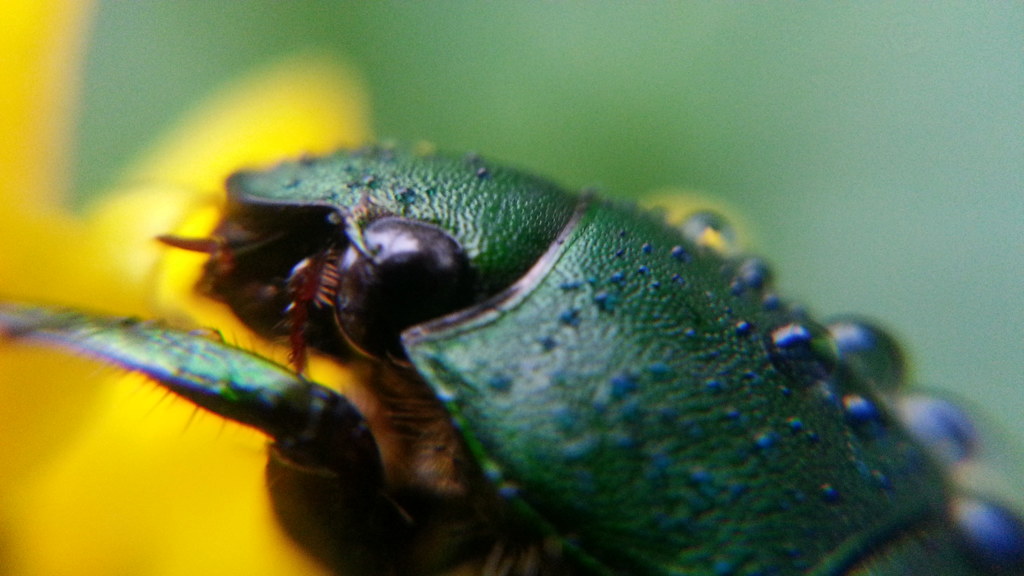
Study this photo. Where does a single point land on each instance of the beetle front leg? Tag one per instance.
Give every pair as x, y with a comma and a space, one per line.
311, 424
321, 442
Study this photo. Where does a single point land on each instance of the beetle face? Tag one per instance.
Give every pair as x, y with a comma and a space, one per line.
555, 384
370, 244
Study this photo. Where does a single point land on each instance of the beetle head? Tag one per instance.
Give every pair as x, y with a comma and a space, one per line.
347, 251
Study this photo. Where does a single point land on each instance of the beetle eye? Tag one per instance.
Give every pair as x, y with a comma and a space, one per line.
409, 272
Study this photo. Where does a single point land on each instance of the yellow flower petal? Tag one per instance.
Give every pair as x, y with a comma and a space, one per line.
38, 44
108, 478
38, 41
152, 488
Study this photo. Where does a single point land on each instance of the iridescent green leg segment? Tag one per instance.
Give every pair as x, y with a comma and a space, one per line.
311, 424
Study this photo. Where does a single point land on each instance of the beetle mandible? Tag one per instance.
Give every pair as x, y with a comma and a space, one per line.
560, 385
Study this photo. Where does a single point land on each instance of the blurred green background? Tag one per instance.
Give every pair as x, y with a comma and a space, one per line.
875, 151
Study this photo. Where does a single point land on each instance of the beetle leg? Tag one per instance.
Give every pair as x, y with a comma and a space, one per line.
313, 281
311, 424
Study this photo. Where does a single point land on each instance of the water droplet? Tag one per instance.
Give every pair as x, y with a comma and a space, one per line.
508, 490
863, 416
446, 395
942, 426
406, 196
570, 317
871, 353
829, 493
766, 440
992, 534
860, 410
605, 301
679, 253
710, 230
622, 385
804, 352
713, 385
752, 275
791, 336
701, 476
743, 328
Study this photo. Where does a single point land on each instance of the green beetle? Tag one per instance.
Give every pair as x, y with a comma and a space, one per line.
561, 385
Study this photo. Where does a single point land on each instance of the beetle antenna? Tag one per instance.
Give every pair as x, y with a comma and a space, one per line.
215, 246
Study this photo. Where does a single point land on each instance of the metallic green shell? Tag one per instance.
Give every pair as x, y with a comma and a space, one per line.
627, 399
616, 383
503, 218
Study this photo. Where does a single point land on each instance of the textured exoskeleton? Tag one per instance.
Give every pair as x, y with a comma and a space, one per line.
559, 384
